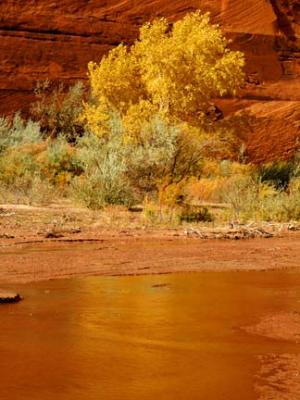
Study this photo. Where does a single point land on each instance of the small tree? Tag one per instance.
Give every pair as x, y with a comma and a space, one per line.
175, 71
172, 74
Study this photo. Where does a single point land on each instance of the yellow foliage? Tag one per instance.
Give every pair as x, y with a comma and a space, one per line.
33, 149
173, 73
210, 168
169, 195
213, 168
183, 68
135, 118
206, 189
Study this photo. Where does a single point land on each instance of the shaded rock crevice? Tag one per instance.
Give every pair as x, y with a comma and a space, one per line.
284, 20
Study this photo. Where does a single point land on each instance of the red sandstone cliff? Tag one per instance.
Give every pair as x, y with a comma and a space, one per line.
42, 39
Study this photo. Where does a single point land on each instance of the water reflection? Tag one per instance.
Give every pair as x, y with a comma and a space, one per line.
167, 337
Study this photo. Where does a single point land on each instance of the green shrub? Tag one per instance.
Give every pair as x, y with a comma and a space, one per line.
285, 206
15, 164
31, 189
153, 157
104, 178
247, 196
59, 163
18, 132
118, 170
163, 215
278, 174
196, 214
252, 199
58, 109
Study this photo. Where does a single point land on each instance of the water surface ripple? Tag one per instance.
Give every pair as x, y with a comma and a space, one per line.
162, 337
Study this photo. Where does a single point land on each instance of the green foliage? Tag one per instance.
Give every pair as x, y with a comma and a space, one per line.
15, 164
158, 215
291, 204
252, 199
278, 174
195, 214
25, 175
18, 132
104, 180
28, 188
285, 206
123, 170
30, 167
59, 162
154, 156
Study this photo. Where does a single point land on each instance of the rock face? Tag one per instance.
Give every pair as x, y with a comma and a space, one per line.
42, 39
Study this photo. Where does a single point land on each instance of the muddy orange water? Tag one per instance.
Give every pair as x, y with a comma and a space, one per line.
180, 336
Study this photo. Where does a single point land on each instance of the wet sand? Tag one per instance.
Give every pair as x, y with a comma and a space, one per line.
279, 373
29, 260
42, 243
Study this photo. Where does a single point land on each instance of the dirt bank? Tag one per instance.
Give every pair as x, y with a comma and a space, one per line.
58, 242
134, 255
280, 326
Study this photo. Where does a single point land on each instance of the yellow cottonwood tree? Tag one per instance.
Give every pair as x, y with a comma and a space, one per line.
173, 71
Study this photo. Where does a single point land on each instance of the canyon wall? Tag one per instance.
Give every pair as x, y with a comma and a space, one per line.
45, 39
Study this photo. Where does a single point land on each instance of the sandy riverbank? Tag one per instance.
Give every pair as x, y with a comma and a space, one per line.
84, 244
118, 255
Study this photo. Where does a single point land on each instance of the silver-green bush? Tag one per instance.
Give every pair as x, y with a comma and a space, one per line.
18, 132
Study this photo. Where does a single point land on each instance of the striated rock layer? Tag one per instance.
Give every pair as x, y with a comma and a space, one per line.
42, 39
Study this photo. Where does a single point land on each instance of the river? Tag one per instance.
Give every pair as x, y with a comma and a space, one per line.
158, 337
